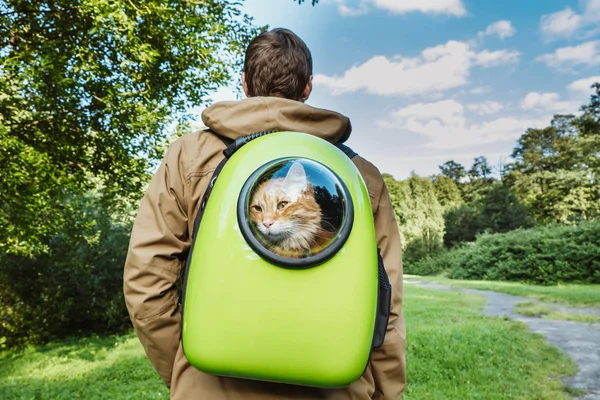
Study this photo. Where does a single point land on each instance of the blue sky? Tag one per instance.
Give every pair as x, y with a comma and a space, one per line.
426, 81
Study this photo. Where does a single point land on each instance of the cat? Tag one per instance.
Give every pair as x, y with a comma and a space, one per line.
285, 212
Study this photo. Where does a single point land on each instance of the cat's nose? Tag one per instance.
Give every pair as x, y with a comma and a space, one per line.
267, 224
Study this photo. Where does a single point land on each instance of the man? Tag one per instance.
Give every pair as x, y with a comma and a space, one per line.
277, 79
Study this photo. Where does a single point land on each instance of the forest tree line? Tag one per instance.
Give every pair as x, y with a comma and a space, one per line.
553, 179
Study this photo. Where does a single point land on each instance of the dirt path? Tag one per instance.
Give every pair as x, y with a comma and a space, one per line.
581, 341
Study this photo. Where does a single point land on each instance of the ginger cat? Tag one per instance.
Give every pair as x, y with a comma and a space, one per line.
287, 215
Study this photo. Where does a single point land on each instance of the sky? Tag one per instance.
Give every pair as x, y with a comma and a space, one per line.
427, 81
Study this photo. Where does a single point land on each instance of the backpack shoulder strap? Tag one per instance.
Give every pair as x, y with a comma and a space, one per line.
226, 141
347, 150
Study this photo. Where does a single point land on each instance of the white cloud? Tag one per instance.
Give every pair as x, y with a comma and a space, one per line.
583, 86
494, 58
548, 102
587, 53
535, 99
436, 69
449, 7
349, 11
565, 23
445, 126
592, 7
502, 29
434, 7
486, 108
561, 23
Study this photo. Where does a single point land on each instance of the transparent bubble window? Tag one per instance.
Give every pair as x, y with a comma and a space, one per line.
295, 212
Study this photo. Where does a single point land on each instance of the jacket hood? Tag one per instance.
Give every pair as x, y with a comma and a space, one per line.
234, 119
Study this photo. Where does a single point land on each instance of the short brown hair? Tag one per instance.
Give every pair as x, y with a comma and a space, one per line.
277, 63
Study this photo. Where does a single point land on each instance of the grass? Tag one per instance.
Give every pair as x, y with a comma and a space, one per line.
113, 367
454, 352
540, 310
567, 294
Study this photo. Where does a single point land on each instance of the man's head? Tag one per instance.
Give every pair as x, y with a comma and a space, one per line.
278, 64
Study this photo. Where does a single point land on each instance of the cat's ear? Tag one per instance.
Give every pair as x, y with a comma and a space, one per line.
295, 180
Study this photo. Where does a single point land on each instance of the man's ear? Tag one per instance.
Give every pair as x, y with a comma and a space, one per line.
307, 90
245, 84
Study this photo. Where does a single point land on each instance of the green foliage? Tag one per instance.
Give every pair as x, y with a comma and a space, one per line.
480, 169
88, 92
556, 171
496, 211
447, 191
75, 287
434, 264
462, 224
90, 87
453, 170
475, 202
543, 255
419, 215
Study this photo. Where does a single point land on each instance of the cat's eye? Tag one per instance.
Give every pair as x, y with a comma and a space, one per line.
282, 204
257, 208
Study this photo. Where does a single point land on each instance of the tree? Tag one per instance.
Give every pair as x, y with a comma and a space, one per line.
592, 110
419, 215
75, 287
88, 89
497, 211
479, 181
480, 169
501, 211
461, 224
589, 128
556, 169
446, 191
453, 170
472, 183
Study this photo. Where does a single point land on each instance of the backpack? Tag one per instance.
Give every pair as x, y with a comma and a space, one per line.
284, 281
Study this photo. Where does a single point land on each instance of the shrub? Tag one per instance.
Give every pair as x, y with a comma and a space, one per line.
544, 255
435, 264
74, 288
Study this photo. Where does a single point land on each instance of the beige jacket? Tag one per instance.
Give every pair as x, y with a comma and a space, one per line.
160, 241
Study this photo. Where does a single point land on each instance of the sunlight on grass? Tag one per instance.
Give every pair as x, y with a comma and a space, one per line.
112, 367
568, 294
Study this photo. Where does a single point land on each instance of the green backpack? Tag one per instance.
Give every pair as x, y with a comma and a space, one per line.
284, 281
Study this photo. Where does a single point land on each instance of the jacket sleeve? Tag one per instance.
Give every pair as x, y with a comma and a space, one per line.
158, 240
388, 362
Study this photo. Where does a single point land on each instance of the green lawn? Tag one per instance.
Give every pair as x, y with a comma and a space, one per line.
453, 353
568, 294
456, 353
103, 368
